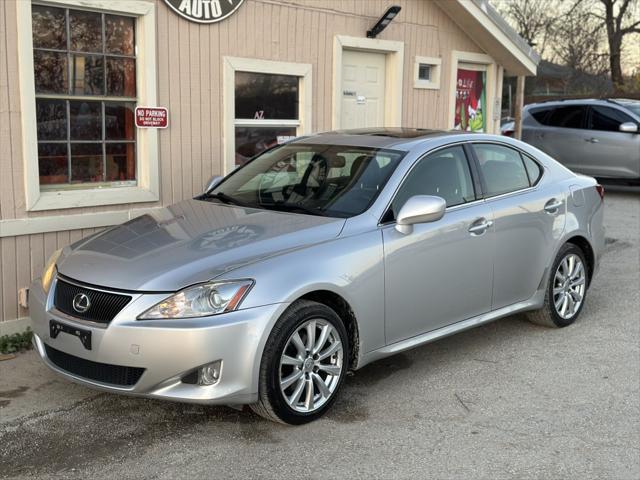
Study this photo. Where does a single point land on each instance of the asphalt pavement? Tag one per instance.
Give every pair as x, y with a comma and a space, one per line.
506, 400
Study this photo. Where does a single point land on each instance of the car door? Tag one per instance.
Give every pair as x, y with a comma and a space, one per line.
562, 136
528, 219
441, 272
610, 152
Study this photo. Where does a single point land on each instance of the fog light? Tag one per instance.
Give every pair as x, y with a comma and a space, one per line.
210, 374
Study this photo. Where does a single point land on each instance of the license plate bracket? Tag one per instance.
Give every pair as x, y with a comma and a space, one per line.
56, 327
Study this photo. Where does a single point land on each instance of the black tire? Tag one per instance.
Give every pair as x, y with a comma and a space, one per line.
271, 402
548, 316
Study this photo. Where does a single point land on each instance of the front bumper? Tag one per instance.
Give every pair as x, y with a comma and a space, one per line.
167, 349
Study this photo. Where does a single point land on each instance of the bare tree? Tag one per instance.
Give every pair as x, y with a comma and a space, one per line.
534, 20
621, 18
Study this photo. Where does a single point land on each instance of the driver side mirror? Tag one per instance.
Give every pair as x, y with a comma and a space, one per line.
211, 184
420, 209
628, 127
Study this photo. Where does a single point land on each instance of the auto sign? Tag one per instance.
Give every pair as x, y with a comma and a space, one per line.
204, 11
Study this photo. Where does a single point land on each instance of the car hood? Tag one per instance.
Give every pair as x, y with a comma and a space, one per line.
190, 242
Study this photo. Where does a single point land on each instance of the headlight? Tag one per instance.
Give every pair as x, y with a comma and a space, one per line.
201, 300
50, 270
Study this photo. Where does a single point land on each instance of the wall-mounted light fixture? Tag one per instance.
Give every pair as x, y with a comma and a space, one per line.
384, 21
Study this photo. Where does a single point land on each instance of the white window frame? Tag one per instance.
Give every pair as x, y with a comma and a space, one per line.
236, 64
434, 82
147, 168
484, 63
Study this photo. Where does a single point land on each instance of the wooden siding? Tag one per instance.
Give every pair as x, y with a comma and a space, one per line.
190, 85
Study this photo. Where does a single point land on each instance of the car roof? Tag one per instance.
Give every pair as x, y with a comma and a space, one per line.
582, 101
393, 138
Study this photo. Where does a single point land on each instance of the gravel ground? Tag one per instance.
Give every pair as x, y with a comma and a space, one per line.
506, 400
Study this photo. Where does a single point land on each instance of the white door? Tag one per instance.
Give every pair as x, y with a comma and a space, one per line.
362, 89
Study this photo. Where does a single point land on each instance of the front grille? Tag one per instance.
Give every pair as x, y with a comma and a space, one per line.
100, 372
103, 307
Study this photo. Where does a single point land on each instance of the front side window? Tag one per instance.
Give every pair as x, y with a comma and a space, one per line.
266, 112
85, 85
572, 116
503, 169
607, 119
444, 173
337, 181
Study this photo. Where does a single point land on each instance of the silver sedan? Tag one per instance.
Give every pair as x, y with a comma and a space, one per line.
318, 257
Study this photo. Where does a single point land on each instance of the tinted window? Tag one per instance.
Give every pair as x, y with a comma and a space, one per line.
540, 114
567, 117
533, 169
444, 173
266, 96
502, 169
607, 119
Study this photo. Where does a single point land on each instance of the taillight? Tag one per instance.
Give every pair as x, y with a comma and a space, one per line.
600, 190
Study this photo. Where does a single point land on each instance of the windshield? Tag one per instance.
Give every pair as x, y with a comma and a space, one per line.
634, 107
335, 181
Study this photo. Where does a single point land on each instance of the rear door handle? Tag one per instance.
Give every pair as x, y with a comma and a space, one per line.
592, 140
480, 226
552, 206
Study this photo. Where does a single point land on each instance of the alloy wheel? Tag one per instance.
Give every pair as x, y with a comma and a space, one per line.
311, 365
569, 285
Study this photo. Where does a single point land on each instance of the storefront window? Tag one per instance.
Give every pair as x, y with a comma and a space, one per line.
471, 98
85, 82
267, 112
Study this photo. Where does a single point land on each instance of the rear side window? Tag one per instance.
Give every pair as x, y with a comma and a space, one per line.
502, 168
571, 116
540, 115
607, 119
533, 169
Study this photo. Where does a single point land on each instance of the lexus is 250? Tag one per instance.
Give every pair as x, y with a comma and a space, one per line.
318, 257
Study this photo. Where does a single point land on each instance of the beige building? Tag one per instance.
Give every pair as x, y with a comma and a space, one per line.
236, 76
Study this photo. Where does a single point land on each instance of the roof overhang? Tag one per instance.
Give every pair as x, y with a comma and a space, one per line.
492, 33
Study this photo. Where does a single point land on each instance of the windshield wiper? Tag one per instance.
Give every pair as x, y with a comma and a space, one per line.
290, 207
228, 199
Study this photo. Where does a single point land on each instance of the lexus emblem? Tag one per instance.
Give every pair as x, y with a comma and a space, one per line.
81, 303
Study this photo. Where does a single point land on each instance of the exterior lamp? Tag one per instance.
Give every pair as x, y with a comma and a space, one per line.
384, 21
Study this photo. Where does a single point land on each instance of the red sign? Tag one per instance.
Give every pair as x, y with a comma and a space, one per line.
152, 117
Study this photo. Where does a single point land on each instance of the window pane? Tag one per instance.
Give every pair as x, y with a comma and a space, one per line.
86, 31
50, 69
444, 174
53, 164
502, 169
252, 140
119, 122
121, 77
567, 117
119, 34
540, 115
260, 95
424, 72
86, 162
87, 75
121, 161
533, 169
607, 119
49, 27
86, 120
51, 118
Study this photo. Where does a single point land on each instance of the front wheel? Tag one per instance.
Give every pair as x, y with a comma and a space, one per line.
566, 290
303, 364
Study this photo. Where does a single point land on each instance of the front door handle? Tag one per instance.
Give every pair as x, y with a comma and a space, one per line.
480, 226
592, 140
552, 206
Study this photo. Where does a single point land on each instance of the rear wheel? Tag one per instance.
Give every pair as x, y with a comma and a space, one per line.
303, 364
566, 290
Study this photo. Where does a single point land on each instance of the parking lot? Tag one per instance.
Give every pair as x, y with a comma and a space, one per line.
506, 400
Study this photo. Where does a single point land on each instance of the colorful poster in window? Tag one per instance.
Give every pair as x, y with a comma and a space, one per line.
471, 101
